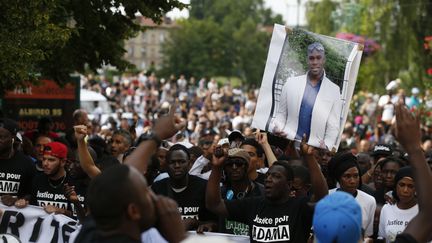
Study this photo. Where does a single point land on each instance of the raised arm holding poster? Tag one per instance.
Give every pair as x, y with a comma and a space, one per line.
307, 85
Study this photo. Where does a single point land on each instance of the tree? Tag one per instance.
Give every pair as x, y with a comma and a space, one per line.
54, 38
235, 43
318, 15
195, 48
400, 27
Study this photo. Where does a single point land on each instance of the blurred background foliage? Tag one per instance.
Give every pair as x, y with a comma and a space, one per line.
396, 31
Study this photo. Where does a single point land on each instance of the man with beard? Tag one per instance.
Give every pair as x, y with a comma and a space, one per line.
48, 188
16, 169
277, 216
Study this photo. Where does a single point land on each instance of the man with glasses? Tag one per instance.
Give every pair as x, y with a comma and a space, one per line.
310, 104
277, 216
238, 185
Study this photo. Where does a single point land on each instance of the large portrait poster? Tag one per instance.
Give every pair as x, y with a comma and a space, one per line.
307, 86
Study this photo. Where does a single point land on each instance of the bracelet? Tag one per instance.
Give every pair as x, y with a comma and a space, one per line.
369, 174
156, 139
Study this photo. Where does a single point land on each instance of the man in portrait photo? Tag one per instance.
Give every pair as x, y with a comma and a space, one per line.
310, 105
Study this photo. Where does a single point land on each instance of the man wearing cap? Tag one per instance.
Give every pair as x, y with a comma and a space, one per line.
276, 217
310, 104
48, 188
235, 139
413, 101
16, 169
238, 185
380, 152
337, 218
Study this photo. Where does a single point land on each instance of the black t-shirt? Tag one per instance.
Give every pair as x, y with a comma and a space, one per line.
191, 201
232, 226
47, 192
268, 222
16, 175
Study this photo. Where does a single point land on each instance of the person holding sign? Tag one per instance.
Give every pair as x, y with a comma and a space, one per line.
276, 217
310, 104
48, 188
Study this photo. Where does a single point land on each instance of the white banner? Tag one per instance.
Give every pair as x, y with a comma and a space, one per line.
33, 224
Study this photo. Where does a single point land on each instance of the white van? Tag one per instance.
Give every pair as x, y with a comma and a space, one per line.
87, 99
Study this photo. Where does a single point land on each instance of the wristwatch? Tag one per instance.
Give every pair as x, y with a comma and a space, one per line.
151, 135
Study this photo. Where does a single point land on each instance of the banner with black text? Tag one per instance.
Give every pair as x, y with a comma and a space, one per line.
33, 224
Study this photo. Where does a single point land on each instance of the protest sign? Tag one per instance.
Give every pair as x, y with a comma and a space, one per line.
307, 86
33, 224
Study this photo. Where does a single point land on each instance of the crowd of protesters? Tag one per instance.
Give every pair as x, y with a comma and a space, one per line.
207, 170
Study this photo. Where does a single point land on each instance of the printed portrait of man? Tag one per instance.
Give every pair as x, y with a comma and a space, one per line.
310, 105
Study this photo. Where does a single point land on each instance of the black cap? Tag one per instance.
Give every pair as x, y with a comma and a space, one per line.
235, 134
383, 150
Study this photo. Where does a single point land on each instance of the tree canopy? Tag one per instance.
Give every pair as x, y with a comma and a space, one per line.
53, 38
221, 38
399, 27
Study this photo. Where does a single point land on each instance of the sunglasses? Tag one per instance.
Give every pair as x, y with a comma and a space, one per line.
237, 162
316, 46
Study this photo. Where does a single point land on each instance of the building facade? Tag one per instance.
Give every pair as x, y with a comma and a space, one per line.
145, 50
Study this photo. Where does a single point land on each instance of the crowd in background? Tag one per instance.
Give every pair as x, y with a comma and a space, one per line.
218, 145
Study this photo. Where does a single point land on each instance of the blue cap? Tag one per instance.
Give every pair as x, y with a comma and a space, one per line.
337, 218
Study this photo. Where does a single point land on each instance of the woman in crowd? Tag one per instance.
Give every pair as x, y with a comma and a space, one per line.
395, 217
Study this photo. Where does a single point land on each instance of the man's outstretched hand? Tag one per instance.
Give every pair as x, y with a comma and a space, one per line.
306, 149
407, 128
167, 126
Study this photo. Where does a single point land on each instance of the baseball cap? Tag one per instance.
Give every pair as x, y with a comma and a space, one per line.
223, 141
337, 218
187, 144
235, 134
238, 153
56, 149
382, 150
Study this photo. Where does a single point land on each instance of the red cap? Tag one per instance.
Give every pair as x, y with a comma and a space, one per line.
56, 149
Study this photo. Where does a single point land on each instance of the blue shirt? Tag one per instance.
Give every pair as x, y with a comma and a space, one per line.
306, 108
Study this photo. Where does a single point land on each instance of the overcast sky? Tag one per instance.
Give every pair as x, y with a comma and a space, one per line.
288, 9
